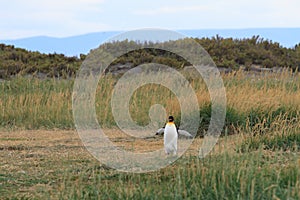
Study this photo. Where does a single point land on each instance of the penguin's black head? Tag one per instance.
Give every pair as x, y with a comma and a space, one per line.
171, 119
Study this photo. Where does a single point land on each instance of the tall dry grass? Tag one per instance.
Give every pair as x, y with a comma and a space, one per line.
32, 103
265, 91
264, 108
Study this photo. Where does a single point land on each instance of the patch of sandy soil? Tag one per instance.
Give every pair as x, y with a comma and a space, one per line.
33, 162
37, 145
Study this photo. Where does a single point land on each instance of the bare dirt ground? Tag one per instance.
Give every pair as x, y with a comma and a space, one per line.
33, 162
44, 144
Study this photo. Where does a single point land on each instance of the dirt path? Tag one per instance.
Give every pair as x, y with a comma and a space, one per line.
40, 146
33, 163
35, 145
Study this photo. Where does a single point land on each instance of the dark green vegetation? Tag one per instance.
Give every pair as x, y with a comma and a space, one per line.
233, 53
17, 61
225, 52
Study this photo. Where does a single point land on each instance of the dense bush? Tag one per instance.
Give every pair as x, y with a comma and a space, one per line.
17, 61
226, 52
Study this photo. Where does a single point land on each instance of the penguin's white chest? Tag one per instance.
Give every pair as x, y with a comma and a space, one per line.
170, 138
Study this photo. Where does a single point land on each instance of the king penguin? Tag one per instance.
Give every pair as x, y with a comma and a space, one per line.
170, 137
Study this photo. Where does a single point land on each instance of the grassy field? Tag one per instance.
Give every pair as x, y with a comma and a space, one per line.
42, 157
44, 164
47, 104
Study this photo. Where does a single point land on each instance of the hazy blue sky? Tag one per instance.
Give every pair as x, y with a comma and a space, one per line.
24, 18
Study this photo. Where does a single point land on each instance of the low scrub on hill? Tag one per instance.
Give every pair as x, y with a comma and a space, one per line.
225, 52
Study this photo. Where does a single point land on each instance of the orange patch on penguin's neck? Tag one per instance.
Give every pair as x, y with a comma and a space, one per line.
170, 123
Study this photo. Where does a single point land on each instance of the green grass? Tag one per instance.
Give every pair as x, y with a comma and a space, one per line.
285, 140
247, 176
256, 175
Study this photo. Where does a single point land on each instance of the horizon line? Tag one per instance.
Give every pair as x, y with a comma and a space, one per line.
120, 31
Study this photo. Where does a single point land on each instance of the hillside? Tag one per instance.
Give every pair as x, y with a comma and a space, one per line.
17, 61
81, 44
226, 53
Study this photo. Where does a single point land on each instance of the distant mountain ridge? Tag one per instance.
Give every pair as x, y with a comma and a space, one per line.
69, 46
82, 44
